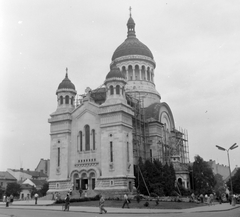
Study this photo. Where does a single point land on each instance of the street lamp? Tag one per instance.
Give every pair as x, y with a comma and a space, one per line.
227, 150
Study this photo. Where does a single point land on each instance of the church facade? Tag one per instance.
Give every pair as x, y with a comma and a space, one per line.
96, 142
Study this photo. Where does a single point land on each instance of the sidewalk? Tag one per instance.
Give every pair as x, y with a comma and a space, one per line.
44, 205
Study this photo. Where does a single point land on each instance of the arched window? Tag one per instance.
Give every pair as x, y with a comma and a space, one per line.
87, 138
124, 71
130, 73
61, 100
143, 73
148, 74
111, 90
118, 89
67, 99
93, 139
137, 73
72, 100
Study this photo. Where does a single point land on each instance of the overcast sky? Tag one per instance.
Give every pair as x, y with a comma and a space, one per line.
196, 46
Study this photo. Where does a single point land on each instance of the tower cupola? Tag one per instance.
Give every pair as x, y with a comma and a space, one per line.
66, 93
115, 83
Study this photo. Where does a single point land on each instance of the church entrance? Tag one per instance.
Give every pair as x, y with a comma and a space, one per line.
84, 184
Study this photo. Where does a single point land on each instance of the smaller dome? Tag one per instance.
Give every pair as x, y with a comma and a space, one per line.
66, 83
130, 21
115, 73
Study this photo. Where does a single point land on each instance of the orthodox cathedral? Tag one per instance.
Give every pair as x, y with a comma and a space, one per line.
97, 140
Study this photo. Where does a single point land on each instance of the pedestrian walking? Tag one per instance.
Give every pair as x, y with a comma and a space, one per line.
101, 205
67, 203
126, 201
7, 200
11, 198
36, 198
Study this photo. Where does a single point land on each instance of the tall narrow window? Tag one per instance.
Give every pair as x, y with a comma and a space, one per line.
128, 152
72, 100
66, 99
58, 157
78, 142
87, 138
151, 155
148, 74
80, 135
111, 90
118, 89
61, 100
111, 152
93, 139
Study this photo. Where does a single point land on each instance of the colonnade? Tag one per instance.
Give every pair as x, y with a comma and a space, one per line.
137, 73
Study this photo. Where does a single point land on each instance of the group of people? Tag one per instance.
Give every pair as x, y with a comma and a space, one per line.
101, 203
8, 199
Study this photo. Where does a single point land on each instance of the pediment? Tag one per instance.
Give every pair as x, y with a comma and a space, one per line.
86, 109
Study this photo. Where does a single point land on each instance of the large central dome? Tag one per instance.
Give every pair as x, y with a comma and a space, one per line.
131, 46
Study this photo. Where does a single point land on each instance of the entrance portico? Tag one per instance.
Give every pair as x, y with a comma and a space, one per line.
83, 179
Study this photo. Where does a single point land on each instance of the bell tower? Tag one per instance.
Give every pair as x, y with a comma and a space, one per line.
60, 132
116, 138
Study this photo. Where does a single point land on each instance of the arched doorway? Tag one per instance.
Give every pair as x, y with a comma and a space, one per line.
180, 181
84, 182
76, 182
92, 181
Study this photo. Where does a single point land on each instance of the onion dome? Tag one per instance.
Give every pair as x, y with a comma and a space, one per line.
66, 83
115, 73
131, 46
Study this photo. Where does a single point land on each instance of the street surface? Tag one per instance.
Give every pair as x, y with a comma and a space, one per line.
25, 212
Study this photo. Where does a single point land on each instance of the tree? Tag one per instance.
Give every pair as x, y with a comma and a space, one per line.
219, 188
235, 182
14, 189
203, 176
155, 178
44, 189
1, 192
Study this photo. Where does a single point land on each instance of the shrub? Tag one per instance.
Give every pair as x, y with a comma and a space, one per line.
153, 194
146, 204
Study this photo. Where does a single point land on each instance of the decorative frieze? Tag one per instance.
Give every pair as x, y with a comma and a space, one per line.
86, 164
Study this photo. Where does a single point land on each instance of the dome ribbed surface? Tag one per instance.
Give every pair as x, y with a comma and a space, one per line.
115, 73
132, 46
66, 84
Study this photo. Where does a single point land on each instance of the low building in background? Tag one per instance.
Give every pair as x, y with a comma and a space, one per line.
25, 192
220, 169
22, 174
5, 178
38, 184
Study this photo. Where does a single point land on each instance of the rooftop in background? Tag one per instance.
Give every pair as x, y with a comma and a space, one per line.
6, 176
34, 174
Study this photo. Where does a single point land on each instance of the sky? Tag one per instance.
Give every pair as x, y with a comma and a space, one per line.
196, 46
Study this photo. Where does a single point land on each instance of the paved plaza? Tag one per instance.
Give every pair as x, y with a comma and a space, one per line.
47, 205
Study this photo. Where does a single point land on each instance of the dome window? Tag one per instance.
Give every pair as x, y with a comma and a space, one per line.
137, 74
61, 100
130, 72
118, 89
148, 74
67, 99
124, 71
143, 73
72, 100
111, 90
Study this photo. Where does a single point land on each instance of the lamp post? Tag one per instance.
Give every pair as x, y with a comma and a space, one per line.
227, 150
